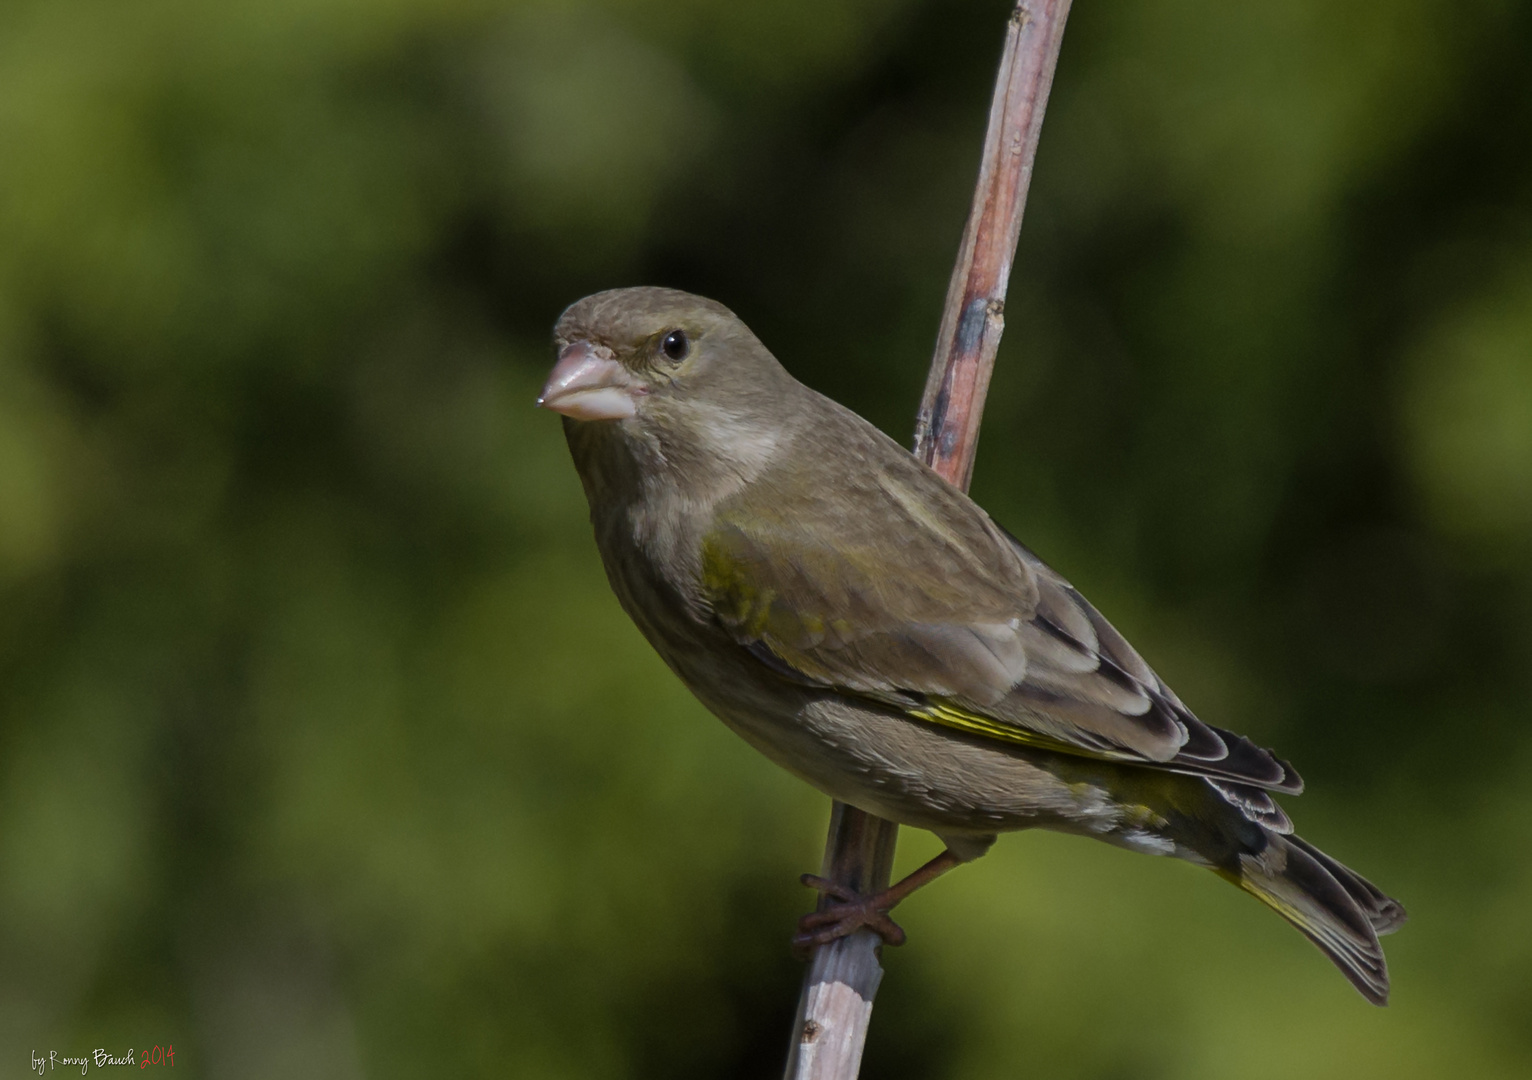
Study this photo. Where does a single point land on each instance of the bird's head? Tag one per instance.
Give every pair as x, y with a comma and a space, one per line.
673, 370
621, 349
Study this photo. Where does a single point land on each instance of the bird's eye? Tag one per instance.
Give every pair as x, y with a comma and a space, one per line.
676, 345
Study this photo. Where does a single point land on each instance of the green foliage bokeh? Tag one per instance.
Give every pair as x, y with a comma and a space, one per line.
325, 750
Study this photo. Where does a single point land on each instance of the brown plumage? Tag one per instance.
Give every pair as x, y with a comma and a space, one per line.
868, 627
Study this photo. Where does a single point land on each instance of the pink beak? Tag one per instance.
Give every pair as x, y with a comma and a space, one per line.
588, 383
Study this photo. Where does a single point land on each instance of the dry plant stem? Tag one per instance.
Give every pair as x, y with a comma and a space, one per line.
838, 989
836, 1002
947, 426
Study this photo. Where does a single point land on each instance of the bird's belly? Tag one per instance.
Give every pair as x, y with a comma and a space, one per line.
919, 774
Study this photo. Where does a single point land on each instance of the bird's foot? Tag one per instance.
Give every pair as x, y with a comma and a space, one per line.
848, 912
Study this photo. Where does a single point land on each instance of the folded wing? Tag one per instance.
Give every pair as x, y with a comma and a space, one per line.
904, 592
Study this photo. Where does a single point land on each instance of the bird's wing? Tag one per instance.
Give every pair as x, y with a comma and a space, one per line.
897, 588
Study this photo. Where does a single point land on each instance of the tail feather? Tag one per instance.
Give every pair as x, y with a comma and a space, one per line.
1332, 906
1384, 912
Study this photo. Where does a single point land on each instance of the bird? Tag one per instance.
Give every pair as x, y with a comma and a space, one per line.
868, 627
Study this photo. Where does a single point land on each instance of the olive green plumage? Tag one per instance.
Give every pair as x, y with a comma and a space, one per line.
867, 626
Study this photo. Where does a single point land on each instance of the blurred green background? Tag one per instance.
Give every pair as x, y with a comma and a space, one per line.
325, 750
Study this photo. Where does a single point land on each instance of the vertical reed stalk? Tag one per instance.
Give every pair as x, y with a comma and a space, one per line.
838, 989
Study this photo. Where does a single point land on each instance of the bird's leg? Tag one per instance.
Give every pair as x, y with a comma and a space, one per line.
849, 911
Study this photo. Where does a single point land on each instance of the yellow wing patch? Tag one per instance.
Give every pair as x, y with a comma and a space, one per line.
975, 724
734, 595
949, 715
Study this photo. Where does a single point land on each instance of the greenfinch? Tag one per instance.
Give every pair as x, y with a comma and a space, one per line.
865, 625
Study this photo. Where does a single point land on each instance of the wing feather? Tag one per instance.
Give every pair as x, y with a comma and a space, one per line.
901, 590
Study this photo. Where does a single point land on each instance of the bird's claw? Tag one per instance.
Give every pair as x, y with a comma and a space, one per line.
850, 912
